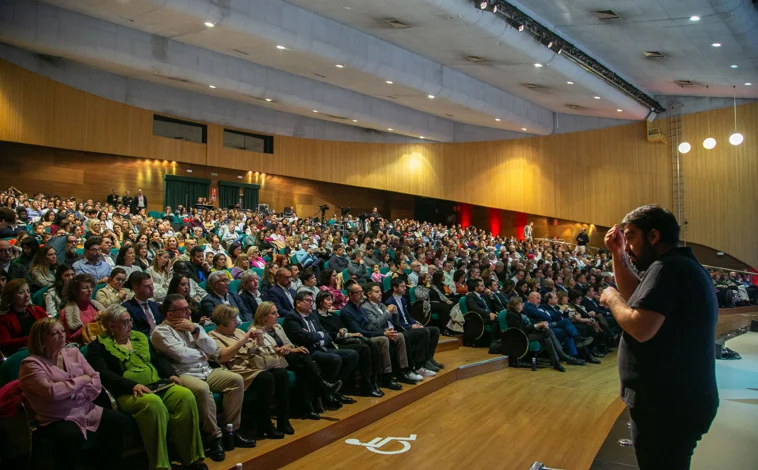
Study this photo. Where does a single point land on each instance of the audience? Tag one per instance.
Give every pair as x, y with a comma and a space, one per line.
329, 335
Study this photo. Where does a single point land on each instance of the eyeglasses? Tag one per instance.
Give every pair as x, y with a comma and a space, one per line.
183, 309
357, 292
308, 301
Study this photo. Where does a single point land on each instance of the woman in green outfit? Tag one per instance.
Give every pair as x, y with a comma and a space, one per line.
127, 364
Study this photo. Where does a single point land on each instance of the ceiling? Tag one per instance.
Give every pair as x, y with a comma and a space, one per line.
434, 86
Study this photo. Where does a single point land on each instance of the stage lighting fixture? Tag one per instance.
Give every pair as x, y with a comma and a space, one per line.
483, 4
521, 28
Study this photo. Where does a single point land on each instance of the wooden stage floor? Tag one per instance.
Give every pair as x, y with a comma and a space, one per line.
478, 413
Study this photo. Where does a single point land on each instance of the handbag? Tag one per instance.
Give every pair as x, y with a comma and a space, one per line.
266, 359
91, 330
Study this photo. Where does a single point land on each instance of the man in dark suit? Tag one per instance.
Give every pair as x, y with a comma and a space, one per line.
113, 198
199, 269
496, 299
415, 333
281, 294
477, 301
144, 312
563, 329
218, 293
127, 200
249, 292
550, 305
304, 329
598, 312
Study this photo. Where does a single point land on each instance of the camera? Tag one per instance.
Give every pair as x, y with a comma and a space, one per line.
323, 207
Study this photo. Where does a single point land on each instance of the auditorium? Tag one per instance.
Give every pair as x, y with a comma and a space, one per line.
353, 234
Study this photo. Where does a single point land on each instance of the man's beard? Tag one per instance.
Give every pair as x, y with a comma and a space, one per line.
646, 257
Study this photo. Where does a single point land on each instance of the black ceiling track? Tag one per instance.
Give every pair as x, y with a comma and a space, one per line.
525, 23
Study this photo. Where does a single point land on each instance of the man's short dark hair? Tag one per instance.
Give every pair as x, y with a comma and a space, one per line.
472, 284
396, 282
586, 289
168, 302
371, 285
574, 294
136, 278
195, 251
300, 296
653, 216
30, 242
548, 295
92, 241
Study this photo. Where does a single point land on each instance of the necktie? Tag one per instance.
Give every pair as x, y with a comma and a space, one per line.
148, 315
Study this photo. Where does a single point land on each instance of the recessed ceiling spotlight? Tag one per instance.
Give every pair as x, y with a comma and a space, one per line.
390, 129
389, 82
748, 84
694, 18
716, 44
421, 137
212, 86
734, 66
315, 111
209, 24
280, 47
597, 97
269, 100
431, 97
523, 128
520, 28
355, 120
538, 65
340, 66
347, 8
619, 110
569, 83
497, 119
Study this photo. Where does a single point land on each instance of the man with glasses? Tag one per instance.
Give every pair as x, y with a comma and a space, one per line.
282, 295
93, 263
218, 293
6, 255
356, 319
189, 348
144, 312
304, 329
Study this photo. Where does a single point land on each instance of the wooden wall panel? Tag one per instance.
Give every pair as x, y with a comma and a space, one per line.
593, 176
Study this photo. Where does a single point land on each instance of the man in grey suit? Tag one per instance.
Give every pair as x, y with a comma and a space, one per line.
218, 293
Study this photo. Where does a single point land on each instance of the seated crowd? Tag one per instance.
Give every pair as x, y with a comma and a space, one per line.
180, 306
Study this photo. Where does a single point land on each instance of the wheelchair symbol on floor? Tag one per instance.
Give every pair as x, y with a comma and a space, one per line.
375, 444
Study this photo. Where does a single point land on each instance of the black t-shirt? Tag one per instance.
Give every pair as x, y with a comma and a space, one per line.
582, 239
676, 368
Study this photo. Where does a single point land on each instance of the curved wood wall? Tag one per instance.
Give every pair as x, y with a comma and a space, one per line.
593, 176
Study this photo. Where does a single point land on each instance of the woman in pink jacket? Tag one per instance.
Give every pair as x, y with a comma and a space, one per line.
59, 386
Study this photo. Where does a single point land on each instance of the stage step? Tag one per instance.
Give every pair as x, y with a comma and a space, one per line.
448, 343
334, 425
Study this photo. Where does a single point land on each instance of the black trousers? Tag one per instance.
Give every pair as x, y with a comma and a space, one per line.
421, 344
269, 385
665, 439
67, 441
369, 360
307, 373
337, 364
443, 310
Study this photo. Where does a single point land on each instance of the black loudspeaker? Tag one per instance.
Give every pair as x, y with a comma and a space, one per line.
754, 326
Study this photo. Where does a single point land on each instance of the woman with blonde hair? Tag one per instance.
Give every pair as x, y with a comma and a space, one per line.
128, 364
254, 255
42, 270
241, 266
269, 277
259, 364
160, 272
59, 386
299, 360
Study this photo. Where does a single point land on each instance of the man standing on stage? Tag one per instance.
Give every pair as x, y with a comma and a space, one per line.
666, 355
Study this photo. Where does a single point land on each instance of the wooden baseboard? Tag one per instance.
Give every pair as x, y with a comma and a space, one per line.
298, 448
449, 343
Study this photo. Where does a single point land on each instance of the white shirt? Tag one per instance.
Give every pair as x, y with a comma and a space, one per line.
187, 355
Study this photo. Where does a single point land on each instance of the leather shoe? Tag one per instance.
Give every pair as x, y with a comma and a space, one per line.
580, 342
331, 402
343, 399
312, 415
274, 434
437, 364
284, 426
407, 379
446, 332
195, 466
215, 450
328, 387
592, 359
373, 392
390, 383
572, 361
559, 368
242, 441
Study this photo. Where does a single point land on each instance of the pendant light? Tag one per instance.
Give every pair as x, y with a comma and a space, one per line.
709, 143
736, 138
